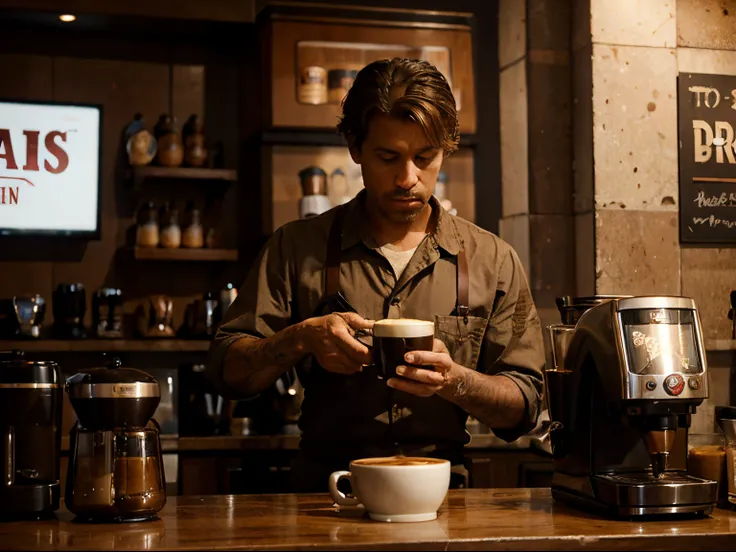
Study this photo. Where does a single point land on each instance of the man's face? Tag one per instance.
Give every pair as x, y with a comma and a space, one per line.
399, 167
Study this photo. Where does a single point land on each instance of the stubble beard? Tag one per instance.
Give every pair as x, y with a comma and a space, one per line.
399, 216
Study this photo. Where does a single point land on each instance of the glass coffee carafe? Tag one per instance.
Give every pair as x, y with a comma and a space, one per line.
115, 468
726, 418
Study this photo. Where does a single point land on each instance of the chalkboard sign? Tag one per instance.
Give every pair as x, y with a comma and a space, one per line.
706, 119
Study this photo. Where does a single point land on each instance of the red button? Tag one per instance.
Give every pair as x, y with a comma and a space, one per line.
674, 384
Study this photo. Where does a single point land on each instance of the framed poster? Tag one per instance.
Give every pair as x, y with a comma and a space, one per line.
50, 169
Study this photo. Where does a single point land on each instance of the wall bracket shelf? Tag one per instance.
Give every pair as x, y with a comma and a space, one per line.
183, 254
150, 172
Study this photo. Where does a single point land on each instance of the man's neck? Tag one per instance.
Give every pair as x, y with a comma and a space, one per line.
403, 236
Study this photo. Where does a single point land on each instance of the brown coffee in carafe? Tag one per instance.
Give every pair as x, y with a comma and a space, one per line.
115, 468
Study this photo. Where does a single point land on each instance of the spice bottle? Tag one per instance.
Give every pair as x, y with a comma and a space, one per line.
147, 234
195, 152
193, 233
170, 230
170, 150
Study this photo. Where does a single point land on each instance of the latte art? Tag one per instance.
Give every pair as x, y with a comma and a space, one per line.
399, 461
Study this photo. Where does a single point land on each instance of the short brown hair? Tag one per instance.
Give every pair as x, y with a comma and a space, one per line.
405, 88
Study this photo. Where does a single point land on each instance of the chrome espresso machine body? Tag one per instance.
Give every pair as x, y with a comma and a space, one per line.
622, 384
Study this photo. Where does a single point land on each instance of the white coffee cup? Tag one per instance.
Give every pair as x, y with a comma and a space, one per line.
395, 488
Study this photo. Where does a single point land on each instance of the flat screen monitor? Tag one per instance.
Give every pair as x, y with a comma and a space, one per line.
50, 169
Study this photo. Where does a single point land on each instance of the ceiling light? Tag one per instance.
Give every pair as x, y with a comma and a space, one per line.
67, 17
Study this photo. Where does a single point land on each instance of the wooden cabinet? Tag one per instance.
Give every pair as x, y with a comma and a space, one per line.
509, 468
298, 42
296, 124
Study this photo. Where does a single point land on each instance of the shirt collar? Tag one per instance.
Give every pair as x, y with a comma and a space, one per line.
355, 226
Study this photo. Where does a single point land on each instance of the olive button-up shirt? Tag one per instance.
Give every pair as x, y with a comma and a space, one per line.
501, 335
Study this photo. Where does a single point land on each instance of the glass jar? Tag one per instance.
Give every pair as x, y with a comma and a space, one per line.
312, 88
726, 418
147, 234
193, 233
706, 458
170, 233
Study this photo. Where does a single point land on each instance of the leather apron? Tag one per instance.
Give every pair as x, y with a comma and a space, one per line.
344, 417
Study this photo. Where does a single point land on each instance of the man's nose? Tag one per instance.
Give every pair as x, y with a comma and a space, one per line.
408, 177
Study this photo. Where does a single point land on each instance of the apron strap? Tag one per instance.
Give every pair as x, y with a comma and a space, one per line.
334, 250
463, 285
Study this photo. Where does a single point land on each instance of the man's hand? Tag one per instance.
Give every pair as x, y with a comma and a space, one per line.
331, 339
439, 373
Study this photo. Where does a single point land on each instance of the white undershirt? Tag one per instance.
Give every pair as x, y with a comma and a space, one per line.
398, 259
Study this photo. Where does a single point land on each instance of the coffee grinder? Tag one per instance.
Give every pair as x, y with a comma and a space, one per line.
622, 384
69, 303
30, 418
116, 470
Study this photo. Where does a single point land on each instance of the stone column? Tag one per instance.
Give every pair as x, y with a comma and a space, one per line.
626, 182
536, 162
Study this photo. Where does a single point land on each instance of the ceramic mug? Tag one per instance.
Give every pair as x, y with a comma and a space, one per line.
395, 488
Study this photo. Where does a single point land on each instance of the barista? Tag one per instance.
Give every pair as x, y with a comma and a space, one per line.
392, 251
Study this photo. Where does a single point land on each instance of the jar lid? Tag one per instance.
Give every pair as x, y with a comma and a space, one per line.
312, 171
112, 381
108, 292
70, 288
16, 372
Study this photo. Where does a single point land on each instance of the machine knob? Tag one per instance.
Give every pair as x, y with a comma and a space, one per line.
674, 384
651, 385
693, 383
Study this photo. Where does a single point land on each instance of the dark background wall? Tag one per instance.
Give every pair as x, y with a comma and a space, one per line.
151, 65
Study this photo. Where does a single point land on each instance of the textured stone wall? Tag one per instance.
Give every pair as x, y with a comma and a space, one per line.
589, 153
625, 68
636, 51
536, 159
589, 148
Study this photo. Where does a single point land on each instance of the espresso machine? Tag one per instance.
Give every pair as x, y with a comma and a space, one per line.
115, 471
30, 418
622, 384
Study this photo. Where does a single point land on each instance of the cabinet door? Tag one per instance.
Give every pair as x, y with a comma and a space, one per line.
337, 49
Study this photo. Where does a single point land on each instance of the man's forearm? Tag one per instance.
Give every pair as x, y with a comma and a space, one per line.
252, 364
495, 401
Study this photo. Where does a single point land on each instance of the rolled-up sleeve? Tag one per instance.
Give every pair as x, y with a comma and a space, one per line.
513, 345
262, 307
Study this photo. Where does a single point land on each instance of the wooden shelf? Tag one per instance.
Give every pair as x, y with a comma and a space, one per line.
105, 345
183, 254
183, 173
287, 136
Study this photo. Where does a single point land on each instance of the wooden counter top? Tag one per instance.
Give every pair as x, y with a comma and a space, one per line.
172, 443
476, 519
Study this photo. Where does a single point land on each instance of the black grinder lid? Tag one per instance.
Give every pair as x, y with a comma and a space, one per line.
15, 370
725, 412
112, 382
